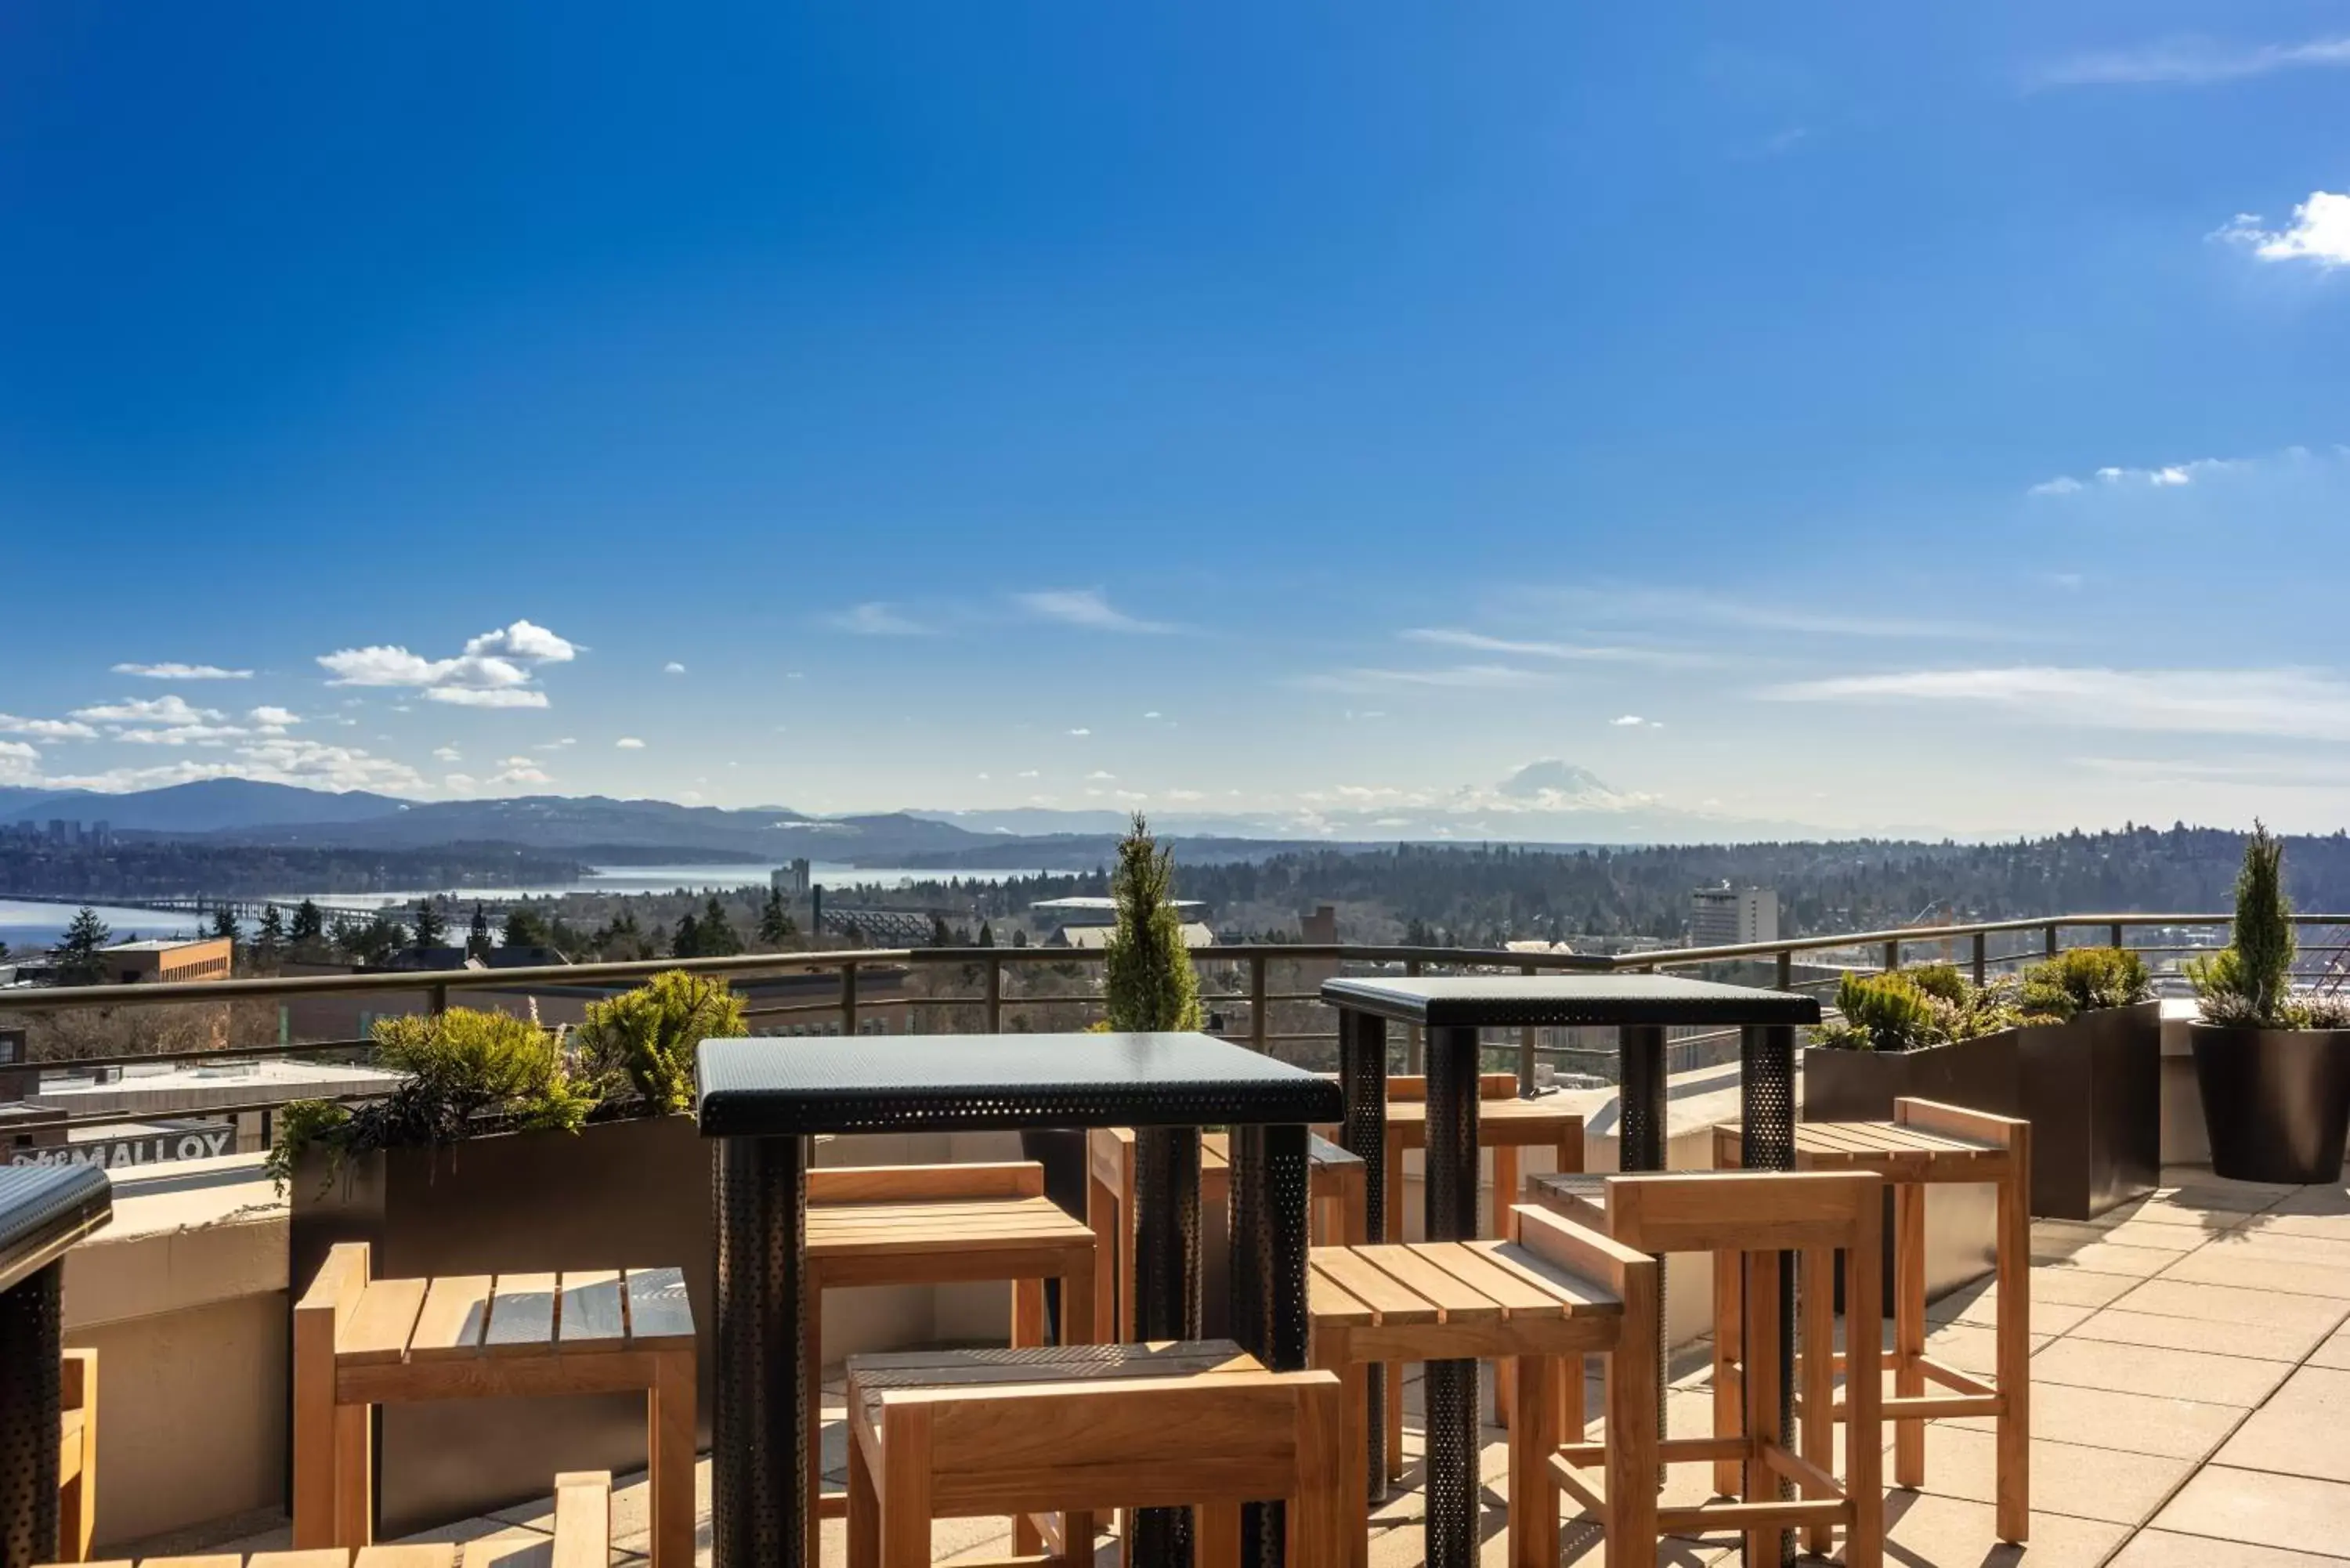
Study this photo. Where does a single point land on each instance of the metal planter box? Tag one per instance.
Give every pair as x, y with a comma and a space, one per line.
2276, 1102
2093, 1093
621, 1194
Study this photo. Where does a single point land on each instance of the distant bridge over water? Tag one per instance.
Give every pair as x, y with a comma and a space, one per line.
249, 910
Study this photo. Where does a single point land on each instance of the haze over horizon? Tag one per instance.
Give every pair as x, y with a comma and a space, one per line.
1899, 422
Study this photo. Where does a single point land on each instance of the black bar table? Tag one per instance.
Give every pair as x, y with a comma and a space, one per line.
44, 1210
764, 1098
1640, 1008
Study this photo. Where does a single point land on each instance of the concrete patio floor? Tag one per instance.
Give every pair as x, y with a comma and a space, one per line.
2190, 1394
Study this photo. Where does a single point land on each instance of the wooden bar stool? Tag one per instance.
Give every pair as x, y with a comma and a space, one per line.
1337, 1198
938, 1225
1926, 1142
77, 1453
1752, 1218
1554, 1290
360, 1342
583, 1539
1084, 1430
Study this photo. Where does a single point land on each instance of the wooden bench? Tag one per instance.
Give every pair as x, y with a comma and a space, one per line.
1925, 1143
76, 1454
1338, 1187
1552, 1291
1084, 1430
1747, 1219
583, 1539
936, 1225
360, 1342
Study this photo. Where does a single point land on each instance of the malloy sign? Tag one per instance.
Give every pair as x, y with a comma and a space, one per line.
115, 1153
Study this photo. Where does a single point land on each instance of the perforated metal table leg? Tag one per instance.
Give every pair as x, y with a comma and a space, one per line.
1166, 1294
1363, 1077
1640, 1146
1449, 1388
1767, 1114
759, 1432
1271, 1231
31, 1322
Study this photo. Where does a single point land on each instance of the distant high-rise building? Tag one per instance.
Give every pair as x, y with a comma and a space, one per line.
102, 834
1725, 915
792, 880
60, 830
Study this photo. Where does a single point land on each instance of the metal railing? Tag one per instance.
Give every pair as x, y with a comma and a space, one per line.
1240, 976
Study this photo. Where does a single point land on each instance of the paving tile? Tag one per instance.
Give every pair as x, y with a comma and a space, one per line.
2259, 1241
2079, 1287
2334, 1352
2222, 1265
1923, 1531
2290, 1511
2333, 1200
2224, 1303
2162, 1549
2266, 1342
1971, 1347
2135, 1423
2299, 1430
2168, 1235
2069, 1478
2165, 1209
2146, 1369
2200, 1178
2107, 1258
1979, 1304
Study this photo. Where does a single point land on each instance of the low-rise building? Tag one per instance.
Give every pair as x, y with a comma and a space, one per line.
166, 960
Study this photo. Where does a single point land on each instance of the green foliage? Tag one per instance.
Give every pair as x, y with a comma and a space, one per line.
646, 1038
1148, 981
303, 1124
431, 925
524, 928
1940, 981
224, 925
775, 926
310, 926
2249, 981
77, 956
1932, 1004
269, 939
2083, 979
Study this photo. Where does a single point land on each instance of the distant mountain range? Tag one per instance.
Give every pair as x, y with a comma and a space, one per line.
1547, 802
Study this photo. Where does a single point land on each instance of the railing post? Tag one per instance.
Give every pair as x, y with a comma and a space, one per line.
2116, 933
1414, 1052
1526, 1053
1982, 958
995, 997
1257, 1030
2050, 933
440, 1000
1893, 955
1786, 971
848, 998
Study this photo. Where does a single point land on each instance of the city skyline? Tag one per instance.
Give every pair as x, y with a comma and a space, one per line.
1916, 423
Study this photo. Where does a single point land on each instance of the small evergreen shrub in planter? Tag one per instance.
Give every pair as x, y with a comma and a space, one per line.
2273, 1068
511, 1148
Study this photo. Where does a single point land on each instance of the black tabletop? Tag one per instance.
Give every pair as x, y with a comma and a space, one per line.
46, 1208
930, 1083
1567, 998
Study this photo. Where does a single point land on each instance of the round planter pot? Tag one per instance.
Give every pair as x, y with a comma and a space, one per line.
2276, 1102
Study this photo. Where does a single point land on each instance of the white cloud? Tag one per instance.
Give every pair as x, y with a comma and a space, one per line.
1088, 608
1479, 642
557, 745
167, 710
1683, 609
2306, 704
2187, 62
1459, 677
629, 744
47, 729
272, 759
1152, 714
2320, 232
1081, 731
20, 751
876, 618
460, 782
1098, 776
184, 734
672, 668
519, 770
1634, 721
448, 754
274, 717
495, 670
2062, 484
184, 672
1030, 773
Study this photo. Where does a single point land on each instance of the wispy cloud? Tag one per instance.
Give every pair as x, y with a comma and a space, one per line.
499, 668
2306, 704
184, 672
2186, 61
629, 744
672, 668
1456, 677
1480, 642
47, 729
1684, 608
2320, 233
2165, 476
1634, 721
875, 617
171, 709
1086, 607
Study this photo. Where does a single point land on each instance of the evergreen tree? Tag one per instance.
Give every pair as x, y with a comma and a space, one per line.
687, 943
431, 925
224, 925
525, 928
477, 936
986, 935
4, 952
939, 936
2262, 935
78, 962
1148, 981
310, 926
269, 940
718, 937
776, 926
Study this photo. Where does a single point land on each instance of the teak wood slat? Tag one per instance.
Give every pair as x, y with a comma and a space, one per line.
455, 1314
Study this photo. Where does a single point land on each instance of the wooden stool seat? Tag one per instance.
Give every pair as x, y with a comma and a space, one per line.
1926, 1143
939, 1225
583, 1539
360, 1342
1082, 1429
1508, 1302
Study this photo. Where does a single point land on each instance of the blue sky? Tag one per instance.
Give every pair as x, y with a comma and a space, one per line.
1911, 419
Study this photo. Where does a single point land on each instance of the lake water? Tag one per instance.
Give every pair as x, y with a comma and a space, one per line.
28, 927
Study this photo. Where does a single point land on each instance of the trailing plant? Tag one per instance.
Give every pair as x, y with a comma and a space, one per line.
643, 1041
2083, 979
468, 1072
2249, 981
1148, 981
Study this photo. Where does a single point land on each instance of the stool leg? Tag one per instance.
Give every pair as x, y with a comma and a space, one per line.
1027, 1329
1079, 1313
1633, 1377
1505, 1193
1217, 1535
1394, 1217
1318, 1525
864, 1511
1728, 1395
1534, 1505
1762, 1401
1101, 1217
1356, 1514
812, 1382
2014, 1260
668, 1449
905, 1489
354, 1475
1819, 1374
1909, 1330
